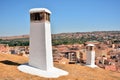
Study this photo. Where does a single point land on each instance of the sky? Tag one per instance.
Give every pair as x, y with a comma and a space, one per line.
67, 15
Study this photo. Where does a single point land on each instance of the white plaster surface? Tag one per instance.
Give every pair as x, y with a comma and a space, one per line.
51, 73
92, 66
90, 58
40, 45
34, 10
90, 45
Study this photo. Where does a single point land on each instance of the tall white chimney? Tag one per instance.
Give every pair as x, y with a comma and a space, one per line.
40, 58
40, 39
90, 55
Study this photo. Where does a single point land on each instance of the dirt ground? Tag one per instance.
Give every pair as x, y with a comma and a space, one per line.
9, 71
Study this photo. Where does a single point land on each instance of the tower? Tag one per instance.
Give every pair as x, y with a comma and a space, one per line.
90, 54
40, 58
40, 39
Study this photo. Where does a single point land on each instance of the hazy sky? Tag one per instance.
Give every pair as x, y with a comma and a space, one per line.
67, 15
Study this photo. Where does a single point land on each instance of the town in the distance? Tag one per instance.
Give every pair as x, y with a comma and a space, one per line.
70, 48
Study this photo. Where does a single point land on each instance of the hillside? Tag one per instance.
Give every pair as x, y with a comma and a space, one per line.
14, 37
9, 71
67, 38
71, 35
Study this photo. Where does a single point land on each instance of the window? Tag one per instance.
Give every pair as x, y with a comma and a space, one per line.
90, 48
72, 56
40, 16
48, 16
36, 16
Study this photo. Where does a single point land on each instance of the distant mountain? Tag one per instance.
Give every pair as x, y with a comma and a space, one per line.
14, 37
73, 35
